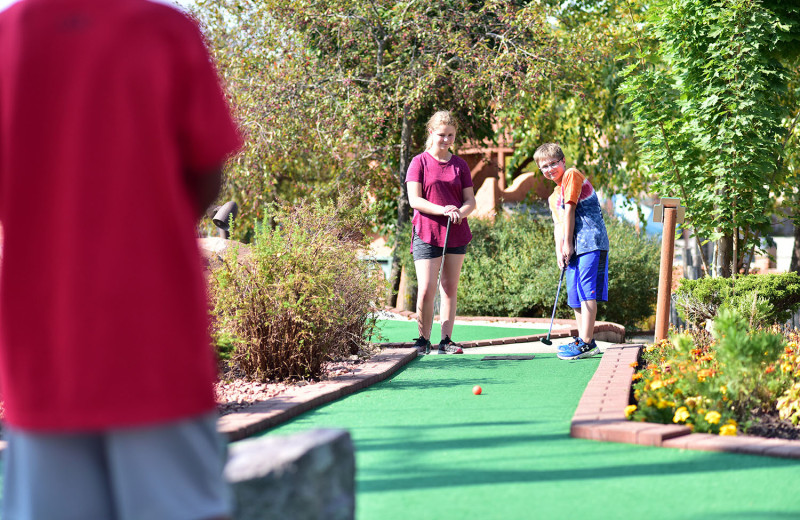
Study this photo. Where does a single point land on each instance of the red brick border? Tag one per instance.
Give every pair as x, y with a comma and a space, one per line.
603, 330
600, 416
296, 400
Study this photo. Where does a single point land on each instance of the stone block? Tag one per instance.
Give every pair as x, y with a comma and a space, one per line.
305, 476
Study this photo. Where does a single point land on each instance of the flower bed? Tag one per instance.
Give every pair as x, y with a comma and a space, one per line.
730, 381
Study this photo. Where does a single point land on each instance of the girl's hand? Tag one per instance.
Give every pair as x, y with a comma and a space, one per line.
454, 214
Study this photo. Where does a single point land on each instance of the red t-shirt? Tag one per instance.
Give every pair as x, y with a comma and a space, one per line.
104, 105
443, 184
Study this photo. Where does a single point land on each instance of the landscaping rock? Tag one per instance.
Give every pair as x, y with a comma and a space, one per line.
309, 475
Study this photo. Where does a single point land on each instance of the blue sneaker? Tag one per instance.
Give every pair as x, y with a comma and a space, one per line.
568, 346
579, 350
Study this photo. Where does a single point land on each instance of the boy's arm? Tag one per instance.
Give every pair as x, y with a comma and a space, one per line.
558, 237
568, 247
203, 187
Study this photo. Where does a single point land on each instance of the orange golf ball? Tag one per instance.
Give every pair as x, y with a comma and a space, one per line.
476, 390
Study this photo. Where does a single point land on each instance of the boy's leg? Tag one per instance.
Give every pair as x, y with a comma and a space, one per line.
55, 476
587, 281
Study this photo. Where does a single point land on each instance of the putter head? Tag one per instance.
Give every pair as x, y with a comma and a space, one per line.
547, 341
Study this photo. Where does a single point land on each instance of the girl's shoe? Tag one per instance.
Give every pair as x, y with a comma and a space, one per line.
422, 345
447, 346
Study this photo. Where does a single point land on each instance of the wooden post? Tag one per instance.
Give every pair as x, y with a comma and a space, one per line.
672, 213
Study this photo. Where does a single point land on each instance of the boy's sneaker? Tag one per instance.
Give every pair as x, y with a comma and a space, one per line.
422, 345
579, 350
447, 346
568, 346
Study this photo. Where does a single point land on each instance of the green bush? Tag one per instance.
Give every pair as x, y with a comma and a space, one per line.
299, 295
510, 270
761, 298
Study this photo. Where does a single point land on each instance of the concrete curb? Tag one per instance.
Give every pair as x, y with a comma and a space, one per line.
296, 400
600, 416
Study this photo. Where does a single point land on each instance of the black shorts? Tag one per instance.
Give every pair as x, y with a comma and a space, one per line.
424, 251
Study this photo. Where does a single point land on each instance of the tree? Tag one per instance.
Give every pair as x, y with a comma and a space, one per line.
584, 110
707, 93
360, 78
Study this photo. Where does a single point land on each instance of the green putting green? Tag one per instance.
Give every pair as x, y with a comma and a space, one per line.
397, 331
427, 448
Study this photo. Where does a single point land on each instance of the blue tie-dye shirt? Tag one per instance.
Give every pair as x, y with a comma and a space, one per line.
590, 229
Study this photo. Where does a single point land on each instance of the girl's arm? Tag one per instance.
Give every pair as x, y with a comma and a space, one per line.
467, 207
417, 202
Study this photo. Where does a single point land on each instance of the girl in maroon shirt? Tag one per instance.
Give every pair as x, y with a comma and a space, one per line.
439, 189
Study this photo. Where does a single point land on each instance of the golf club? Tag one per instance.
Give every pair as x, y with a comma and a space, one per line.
546, 340
436, 304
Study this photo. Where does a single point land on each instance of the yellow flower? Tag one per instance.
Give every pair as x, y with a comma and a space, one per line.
629, 410
691, 402
728, 429
655, 385
713, 417
723, 389
681, 414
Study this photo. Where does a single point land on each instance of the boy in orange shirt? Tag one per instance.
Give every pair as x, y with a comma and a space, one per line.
581, 245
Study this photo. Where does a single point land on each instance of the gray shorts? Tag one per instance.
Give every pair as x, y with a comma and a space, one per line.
425, 251
168, 471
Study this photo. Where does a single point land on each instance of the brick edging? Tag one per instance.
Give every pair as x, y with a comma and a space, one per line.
262, 415
604, 330
600, 416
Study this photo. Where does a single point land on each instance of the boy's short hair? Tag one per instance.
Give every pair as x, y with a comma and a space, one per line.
548, 151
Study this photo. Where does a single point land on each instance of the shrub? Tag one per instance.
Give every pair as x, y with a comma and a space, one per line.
717, 382
510, 270
762, 298
300, 295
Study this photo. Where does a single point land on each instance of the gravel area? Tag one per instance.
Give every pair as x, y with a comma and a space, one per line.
235, 394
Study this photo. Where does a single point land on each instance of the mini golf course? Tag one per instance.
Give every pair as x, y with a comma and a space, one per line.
406, 331
427, 448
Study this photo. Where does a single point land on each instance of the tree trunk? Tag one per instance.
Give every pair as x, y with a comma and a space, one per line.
724, 257
403, 207
794, 265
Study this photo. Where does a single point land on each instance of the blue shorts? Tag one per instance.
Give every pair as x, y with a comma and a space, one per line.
587, 278
166, 471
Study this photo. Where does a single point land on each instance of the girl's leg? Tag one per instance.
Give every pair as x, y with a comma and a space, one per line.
450, 276
427, 271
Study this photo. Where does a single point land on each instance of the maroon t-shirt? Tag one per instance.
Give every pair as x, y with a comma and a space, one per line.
105, 106
443, 184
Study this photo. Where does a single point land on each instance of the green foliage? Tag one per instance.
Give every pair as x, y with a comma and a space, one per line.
718, 382
789, 404
584, 110
300, 294
708, 95
763, 298
510, 270
337, 92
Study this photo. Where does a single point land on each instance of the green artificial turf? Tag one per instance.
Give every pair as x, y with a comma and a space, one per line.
427, 448
396, 331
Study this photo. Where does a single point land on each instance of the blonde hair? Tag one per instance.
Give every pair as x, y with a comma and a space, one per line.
442, 117
548, 151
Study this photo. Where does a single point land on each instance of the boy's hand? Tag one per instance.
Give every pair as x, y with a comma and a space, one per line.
567, 251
